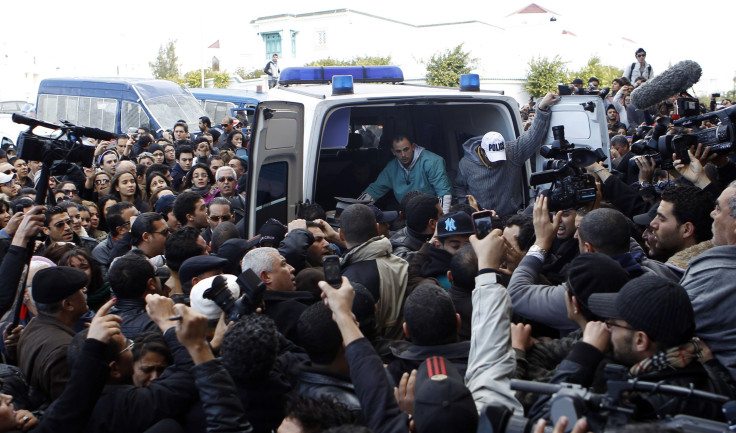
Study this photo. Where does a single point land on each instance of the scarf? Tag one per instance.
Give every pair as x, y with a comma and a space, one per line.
674, 357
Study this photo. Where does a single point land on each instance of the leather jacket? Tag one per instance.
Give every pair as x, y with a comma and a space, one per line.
317, 382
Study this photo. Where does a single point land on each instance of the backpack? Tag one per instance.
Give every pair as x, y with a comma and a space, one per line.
631, 70
267, 69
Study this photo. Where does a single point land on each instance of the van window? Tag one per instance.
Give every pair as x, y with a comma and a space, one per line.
93, 112
134, 116
217, 110
271, 192
168, 109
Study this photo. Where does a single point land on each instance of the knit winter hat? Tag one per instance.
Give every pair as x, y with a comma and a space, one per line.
656, 305
592, 273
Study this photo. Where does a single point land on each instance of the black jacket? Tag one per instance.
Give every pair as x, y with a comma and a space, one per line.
406, 242
222, 407
294, 248
285, 308
317, 382
135, 318
11, 269
580, 367
125, 408
463, 300
263, 400
374, 391
408, 356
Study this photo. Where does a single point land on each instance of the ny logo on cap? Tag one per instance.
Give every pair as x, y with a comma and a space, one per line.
450, 225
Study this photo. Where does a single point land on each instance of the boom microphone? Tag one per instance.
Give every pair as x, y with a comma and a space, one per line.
83, 131
674, 80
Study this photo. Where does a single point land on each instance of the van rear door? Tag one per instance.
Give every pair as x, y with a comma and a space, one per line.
276, 163
584, 119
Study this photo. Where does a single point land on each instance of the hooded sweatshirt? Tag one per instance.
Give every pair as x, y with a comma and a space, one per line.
501, 187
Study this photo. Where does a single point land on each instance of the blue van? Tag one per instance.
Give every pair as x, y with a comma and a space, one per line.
219, 103
117, 104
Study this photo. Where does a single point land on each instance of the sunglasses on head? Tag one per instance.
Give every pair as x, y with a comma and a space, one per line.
10, 171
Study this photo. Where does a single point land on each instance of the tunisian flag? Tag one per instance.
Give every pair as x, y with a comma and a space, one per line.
215, 45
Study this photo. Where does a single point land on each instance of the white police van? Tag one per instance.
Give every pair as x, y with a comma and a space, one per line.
327, 132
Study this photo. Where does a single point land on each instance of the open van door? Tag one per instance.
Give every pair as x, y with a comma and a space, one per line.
276, 164
584, 119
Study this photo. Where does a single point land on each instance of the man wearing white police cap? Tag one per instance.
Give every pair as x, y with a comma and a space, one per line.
492, 168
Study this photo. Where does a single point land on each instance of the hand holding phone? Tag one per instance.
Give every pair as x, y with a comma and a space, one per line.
333, 275
484, 222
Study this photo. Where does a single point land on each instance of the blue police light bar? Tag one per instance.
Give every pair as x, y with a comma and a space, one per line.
324, 74
342, 85
470, 83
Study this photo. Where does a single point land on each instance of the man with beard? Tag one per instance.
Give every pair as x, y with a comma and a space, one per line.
650, 330
683, 220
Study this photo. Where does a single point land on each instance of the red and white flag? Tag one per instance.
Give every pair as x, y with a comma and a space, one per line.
215, 45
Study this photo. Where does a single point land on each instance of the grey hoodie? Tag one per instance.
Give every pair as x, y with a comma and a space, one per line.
500, 188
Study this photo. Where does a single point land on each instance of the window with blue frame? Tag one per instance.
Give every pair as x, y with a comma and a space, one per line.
293, 43
273, 43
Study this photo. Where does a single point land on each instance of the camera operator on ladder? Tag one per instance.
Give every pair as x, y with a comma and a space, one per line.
491, 169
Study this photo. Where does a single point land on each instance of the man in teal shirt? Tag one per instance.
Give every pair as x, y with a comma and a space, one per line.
414, 168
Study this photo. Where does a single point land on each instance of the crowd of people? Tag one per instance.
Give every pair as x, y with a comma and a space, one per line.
140, 314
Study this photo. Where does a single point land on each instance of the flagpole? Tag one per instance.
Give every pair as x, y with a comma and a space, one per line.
201, 54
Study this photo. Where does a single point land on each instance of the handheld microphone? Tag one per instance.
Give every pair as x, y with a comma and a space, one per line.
674, 80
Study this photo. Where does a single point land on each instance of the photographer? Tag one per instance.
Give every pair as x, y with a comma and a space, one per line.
649, 328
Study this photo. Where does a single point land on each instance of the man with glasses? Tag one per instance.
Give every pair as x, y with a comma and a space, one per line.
78, 236
58, 225
8, 183
649, 330
227, 127
148, 235
218, 210
227, 183
640, 68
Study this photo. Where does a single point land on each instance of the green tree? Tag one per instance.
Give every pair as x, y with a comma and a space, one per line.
329, 61
544, 75
194, 78
249, 75
355, 61
604, 73
444, 68
165, 67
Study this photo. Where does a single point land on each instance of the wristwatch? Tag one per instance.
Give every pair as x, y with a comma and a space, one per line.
537, 249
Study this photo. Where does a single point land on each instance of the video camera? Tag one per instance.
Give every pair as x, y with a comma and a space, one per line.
251, 288
61, 143
565, 170
660, 147
603, 411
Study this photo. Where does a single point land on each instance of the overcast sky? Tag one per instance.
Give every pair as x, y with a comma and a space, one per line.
101, 37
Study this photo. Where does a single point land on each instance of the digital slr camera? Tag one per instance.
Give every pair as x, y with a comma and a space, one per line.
251, 288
